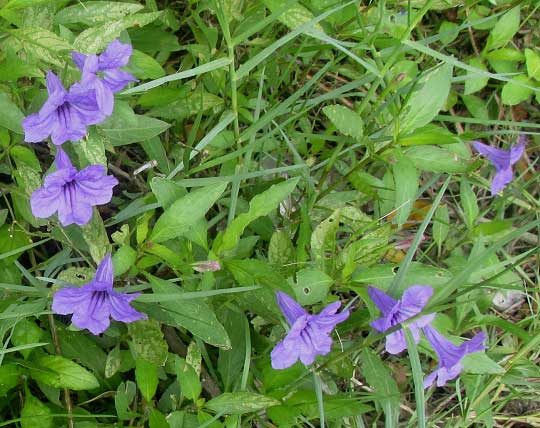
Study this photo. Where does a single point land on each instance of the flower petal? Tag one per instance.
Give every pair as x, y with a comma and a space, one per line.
36, 128
79, 59
290, 308
383, 301
117, 79
284, 355
62, 160
116, 55
499, 158
93, 186
414, 299
517, 151
501, 180
121, 310
82, 213
428, 381
95, 317
396, 342
70, 299
105, 271
44, 201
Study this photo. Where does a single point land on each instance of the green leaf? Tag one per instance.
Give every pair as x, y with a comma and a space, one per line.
426, 102
9, 377
385, 388
476, 106
148, 341
146, 375
468, 203
188, 379
480, 363
533, 63
231, 361
436, 159
406, 179
44, 44
35, 414
235, 403
96, 237
513, 94
60, 372
143, 66
193, 314
11, 117
429, 134
294, 16
448, 32
156, 419
113, 362
91, 150
26, 332
441, 225
124, 259
95, 12
504, 30
182, 215
94, 39
188, 106
323, 241
347, 121
125, 127
475, 84
312, 286
261, 205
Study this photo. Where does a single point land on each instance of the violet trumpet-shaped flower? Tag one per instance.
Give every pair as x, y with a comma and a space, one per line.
102, 72
397, 311
94, 303
72, 193
503, 160
309, 335
64, 116
450, 355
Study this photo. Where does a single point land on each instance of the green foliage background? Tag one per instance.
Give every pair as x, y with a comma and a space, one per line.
314, 147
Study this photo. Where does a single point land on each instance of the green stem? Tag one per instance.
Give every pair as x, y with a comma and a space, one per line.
320, 400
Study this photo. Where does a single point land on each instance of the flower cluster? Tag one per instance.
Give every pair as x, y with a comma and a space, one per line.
395, 312
65, 116
72, 194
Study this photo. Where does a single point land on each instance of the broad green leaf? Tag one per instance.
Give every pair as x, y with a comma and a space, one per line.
188, 379
124, 259
126, 127
35, 414
235, 403
281, 251
504, 30
513, 94
94, 39
426, 102
480, 363
406, 179
96, 237
476, 106
95, 12
323, 242
261, 205
125, 394
426, 135
448, 32
26, 332
294, 16
148, 341
146, 375
11, 117
475, 84
193, 314
112, 364
143, 66
44, 44
385, 388
9, 377
60, 372
312, 286
156, 419
91, 149
532, 59
231, 361
11, 238
182, 215
347, 121
436, 159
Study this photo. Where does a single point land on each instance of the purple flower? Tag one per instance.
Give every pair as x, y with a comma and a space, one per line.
64, 116
102, 72
94, 303
72, 193
503, 161
450, 355
309, 335
396, 311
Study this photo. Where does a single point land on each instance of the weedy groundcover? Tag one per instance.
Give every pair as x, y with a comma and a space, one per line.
232, 213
